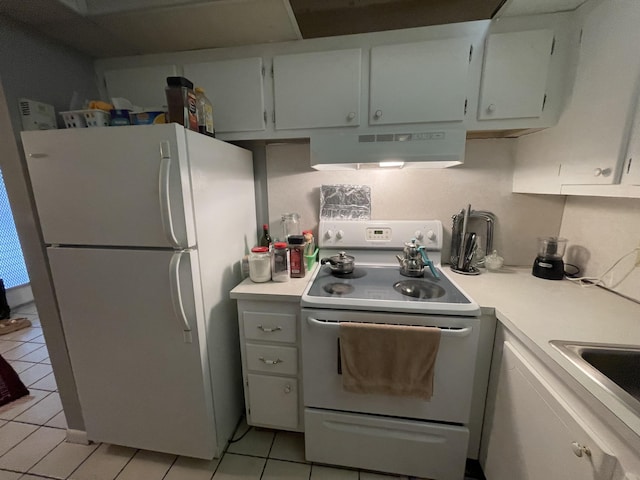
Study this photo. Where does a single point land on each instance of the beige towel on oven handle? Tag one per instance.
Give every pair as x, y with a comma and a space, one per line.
388, 359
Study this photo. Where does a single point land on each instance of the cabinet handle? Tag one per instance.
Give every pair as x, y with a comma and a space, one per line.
38, 155
580, 450
351, 115
266, 361
377, 114
491, 108
287, 388
605, 172
269, 329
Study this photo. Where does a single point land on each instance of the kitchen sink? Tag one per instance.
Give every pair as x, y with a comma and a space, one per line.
615, 367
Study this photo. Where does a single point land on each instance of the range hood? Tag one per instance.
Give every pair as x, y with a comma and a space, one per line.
438, 148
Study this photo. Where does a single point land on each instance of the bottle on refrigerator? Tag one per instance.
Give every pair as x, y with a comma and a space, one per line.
205, 113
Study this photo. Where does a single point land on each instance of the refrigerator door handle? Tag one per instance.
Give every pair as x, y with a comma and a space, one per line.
165, 198
176, 295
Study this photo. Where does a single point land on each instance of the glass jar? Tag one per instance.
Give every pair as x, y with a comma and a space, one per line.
280, 262
290, 225
260, 265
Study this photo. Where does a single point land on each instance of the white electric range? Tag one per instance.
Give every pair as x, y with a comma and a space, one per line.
401, 435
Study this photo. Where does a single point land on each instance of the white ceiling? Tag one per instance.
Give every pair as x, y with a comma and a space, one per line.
109, 28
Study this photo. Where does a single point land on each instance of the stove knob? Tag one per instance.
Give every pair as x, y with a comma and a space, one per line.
328, 234
431, 235
339, 234
418, 235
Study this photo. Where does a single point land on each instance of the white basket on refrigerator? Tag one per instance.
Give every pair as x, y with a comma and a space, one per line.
86, 118
74, 119
97, 118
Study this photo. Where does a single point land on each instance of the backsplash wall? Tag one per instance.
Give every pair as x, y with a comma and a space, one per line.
599, 231
484, 181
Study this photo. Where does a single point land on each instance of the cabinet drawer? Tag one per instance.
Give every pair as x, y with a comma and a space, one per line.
271, 327
273, 401
272, 359
386, 444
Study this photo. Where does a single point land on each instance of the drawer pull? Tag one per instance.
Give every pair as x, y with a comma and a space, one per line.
580, 450
287, 389
266, 361
269, 329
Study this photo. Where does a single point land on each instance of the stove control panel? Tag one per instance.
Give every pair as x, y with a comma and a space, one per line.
379, 234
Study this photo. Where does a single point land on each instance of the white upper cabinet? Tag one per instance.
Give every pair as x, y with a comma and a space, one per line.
235, 88
143, 86
514, 77
604, 95
631, 165
319, 89
591, 150
419, 82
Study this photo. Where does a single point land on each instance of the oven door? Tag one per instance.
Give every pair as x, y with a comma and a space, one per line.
453, 377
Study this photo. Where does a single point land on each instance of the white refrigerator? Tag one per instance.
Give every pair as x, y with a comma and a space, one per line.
145, 227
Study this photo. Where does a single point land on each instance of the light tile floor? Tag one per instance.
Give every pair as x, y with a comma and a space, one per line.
33, 446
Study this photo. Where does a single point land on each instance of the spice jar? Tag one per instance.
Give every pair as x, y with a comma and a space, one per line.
260, 265
280, 262
296, 256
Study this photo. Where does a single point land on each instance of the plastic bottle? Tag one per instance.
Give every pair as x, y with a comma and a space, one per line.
280, 262
205, 113
260, 265
309, 244
265, 239
296, 256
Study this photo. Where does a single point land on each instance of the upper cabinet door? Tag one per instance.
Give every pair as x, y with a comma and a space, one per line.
320, 89
143, 86
515, 73
631, 166
235, 88
419, 82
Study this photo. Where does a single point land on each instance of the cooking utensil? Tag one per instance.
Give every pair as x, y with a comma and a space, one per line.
340, 263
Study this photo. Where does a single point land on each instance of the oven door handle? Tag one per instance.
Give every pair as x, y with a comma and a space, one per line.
444, 331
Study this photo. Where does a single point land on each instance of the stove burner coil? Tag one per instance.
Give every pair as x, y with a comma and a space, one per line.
338, 288
419, 289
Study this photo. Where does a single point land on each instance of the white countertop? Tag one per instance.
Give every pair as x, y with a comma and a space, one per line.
541, 310
290, 291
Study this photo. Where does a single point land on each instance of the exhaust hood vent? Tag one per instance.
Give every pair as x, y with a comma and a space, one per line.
439, 148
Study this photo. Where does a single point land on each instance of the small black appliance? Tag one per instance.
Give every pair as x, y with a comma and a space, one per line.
549, 264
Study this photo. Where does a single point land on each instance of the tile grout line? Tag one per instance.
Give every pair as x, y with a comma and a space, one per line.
25, 438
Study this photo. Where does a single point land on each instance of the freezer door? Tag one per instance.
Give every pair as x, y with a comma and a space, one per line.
125, 186
134, 329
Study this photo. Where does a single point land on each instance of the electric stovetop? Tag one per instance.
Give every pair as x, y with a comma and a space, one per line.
383, 288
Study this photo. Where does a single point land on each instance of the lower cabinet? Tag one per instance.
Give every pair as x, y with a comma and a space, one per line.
271, 368
533, 433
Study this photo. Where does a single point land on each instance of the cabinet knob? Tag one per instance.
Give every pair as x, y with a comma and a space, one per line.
580, 450
605, 172
377, 114
491, 108
351, 115
287, 388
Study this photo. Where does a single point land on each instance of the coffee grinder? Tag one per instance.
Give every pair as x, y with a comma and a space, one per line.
548, 264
